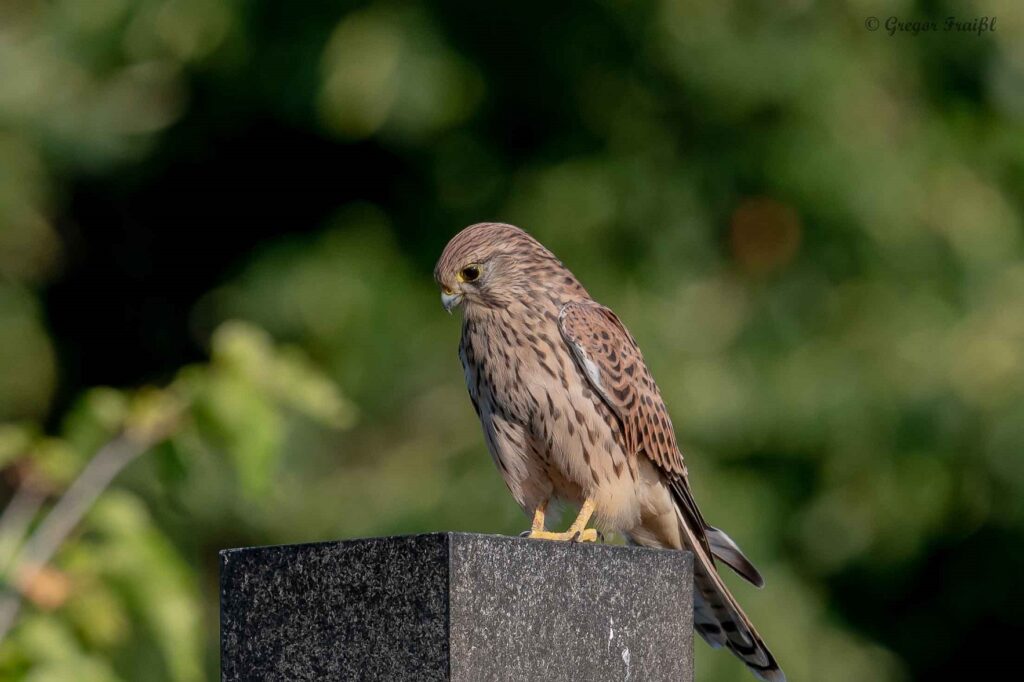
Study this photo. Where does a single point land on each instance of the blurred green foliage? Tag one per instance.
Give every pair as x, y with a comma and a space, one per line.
120, 592
814, 231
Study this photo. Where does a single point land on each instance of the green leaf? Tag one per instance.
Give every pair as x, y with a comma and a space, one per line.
285, 375
95, 419
246, 426
142, 564
15, 441
171, 463
56, 460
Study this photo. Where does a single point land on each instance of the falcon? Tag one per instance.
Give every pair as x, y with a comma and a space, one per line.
570, 413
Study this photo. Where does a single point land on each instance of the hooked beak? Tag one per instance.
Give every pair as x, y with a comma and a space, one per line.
450, 299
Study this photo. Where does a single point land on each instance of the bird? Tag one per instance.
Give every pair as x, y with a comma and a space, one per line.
571, 414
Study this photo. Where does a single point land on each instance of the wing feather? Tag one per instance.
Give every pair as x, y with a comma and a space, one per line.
610, 358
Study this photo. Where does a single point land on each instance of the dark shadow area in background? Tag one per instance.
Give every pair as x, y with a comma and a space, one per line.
924, 612
145, 243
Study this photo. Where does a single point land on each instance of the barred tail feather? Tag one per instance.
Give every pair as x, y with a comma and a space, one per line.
718, 618
725, 549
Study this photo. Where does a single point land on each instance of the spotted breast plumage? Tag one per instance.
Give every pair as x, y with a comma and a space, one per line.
570, 412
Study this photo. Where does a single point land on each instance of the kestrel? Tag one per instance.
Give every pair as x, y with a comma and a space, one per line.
570, 413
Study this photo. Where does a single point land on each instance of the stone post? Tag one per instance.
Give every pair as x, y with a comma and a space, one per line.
455, 606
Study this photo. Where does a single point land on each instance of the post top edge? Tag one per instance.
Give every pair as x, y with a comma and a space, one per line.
455, 536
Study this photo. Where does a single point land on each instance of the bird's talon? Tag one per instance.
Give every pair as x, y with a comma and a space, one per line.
586, 535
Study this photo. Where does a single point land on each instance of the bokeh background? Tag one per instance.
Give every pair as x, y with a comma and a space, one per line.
218, 221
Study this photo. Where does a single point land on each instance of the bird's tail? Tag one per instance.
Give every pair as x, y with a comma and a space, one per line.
718, 617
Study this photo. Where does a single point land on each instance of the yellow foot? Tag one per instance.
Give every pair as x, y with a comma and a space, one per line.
585, 535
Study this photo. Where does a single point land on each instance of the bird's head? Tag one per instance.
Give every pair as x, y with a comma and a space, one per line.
493, 265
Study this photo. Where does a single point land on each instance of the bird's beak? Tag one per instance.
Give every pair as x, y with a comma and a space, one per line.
450, 299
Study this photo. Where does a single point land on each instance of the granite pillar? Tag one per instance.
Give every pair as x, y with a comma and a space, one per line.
454, 606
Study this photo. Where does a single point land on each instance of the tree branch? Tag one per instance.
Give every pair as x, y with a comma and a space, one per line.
39, 549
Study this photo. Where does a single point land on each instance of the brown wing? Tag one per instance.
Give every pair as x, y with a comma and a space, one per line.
608, 355
611, 360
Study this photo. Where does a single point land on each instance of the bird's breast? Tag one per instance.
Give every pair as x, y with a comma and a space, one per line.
514, 361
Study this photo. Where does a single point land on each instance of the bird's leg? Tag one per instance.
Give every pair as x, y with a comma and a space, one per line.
538, 520
579, 526
538, 517
578, 531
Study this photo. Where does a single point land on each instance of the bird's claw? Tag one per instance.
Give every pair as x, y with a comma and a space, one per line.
585, 535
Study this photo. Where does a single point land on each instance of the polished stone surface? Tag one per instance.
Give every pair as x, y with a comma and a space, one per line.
454, 606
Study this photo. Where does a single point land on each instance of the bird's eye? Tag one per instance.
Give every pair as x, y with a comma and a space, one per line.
470, 273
